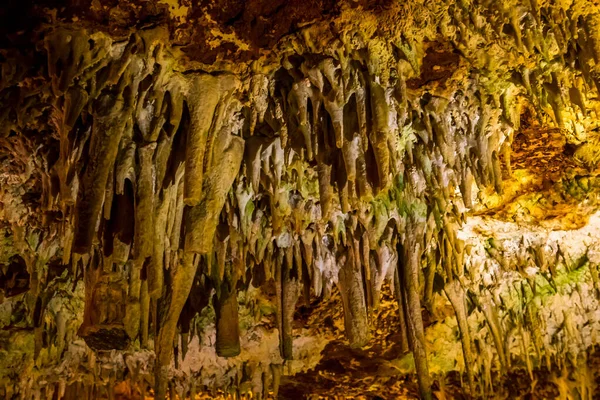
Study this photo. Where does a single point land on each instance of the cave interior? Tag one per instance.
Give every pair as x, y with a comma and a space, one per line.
299, 199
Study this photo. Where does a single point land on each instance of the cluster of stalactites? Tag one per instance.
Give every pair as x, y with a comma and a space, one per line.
350, 174
336, 162
387, 162
337, 159
334, 120
422, 148
147, 157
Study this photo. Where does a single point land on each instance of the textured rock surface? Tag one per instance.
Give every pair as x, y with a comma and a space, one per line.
199, 197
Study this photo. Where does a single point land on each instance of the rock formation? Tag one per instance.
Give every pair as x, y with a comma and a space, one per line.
186, 186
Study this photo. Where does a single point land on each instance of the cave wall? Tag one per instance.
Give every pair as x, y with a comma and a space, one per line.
159, 176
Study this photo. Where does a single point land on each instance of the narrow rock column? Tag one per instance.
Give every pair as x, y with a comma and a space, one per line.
456, 294
181, 283
351, 284
288, 286
228, 328
410, 253
398, 289
108, 127
200, 231
291, 291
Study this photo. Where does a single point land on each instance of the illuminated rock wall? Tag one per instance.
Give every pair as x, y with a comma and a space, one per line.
150, 198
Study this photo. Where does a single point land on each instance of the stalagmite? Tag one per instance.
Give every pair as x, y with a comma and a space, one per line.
143, 241
103, 326
145, 314
288, 285
429, 279
276, 372
402, 322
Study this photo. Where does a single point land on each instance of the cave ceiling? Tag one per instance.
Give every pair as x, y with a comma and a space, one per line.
299, 199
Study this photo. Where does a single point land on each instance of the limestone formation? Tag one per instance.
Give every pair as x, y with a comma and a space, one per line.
195, 199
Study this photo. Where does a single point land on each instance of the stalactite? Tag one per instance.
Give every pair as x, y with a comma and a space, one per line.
182, 277
491, 318
203, 98
75, 99
410, 254
379, 138
456, 295
203, 218
106, 132
325, 189
351, 284
227, 325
